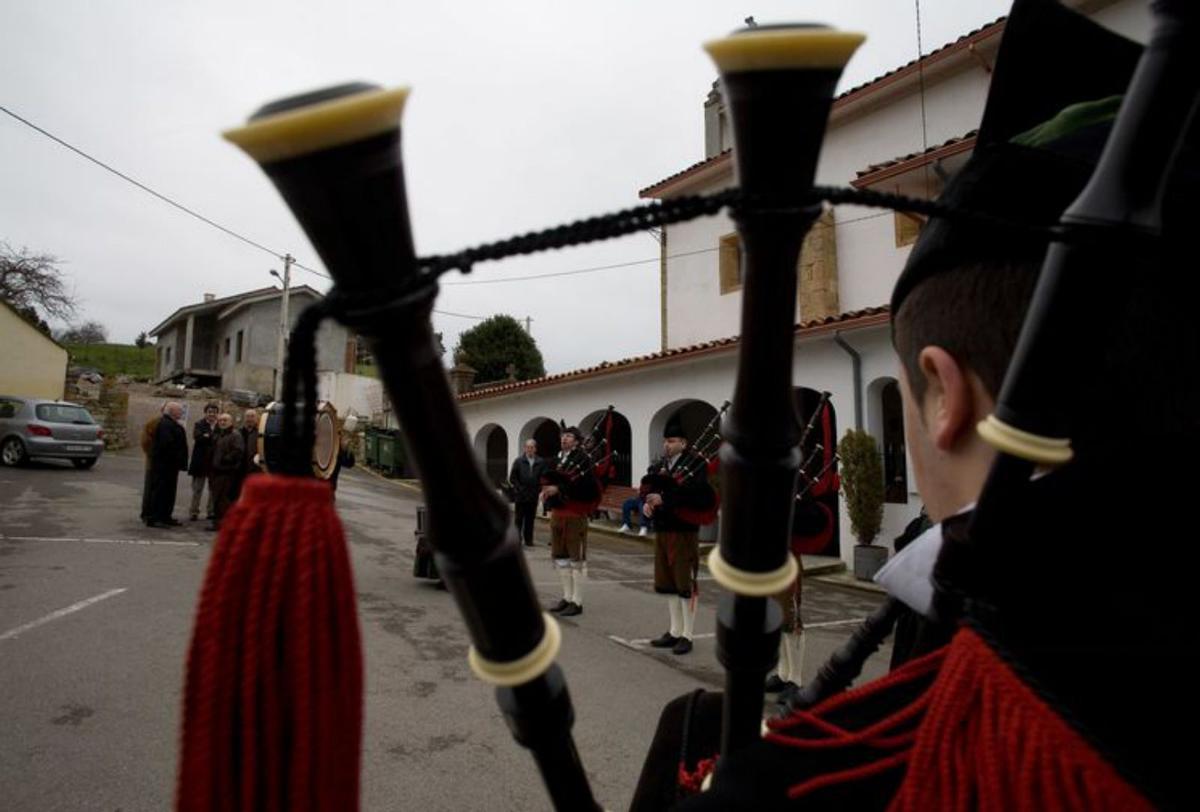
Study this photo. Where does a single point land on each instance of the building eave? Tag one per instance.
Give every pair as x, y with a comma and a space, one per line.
855, 320
907, 163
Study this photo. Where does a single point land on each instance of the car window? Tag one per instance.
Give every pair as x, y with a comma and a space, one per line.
62, 413
8, 408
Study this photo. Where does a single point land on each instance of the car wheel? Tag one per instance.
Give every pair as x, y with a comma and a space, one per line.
85, 463
12, 452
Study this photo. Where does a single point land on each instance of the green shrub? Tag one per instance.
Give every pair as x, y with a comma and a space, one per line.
861, 472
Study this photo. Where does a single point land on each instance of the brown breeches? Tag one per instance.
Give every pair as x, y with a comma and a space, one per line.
676, 562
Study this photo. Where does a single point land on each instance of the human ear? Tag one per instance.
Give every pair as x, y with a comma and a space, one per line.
949, 406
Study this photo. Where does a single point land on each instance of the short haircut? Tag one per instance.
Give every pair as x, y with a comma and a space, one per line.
974, 313
211, 407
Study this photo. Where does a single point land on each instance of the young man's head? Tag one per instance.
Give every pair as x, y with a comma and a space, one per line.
954, 335
958, 306
210, 412
570, 438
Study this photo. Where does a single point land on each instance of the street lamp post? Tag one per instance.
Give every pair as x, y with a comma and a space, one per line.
281, 347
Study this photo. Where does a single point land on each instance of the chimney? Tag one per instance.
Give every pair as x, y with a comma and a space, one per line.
208, 297
716, 126
462, 378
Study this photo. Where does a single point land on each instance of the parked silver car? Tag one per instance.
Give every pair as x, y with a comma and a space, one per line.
33, 427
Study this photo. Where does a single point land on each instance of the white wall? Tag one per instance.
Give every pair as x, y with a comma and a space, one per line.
31, 365
350, 393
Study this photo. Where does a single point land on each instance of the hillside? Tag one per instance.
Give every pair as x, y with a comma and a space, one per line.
114, 359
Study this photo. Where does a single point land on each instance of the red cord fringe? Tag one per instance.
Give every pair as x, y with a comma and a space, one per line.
977, 738
272, 715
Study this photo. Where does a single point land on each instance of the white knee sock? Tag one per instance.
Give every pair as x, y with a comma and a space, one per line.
564, 575
689, 616
676, 615
578, 577
791, 657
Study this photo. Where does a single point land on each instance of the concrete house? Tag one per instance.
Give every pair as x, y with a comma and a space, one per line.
32, 364
850, 262
232, 342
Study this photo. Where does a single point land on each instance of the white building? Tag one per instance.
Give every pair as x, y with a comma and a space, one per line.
877, 138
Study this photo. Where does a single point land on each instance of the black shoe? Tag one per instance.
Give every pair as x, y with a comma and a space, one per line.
775, 684
560, 606
571, 610
682, 647
529, 544
193, 518
173, 522
159, 524
667, 640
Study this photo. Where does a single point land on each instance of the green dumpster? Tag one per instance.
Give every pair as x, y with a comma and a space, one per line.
389, 459
371, 443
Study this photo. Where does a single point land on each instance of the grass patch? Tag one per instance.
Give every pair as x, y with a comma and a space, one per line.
114, 359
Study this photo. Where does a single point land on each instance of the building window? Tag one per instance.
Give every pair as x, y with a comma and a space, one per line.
730, 263
238, 356
908, 227
227, 346
895, 467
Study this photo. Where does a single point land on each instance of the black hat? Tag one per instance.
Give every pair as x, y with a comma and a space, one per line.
674, 428
1048, 113
574, 430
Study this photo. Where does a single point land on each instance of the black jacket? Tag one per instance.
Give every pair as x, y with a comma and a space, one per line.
694, 494
526, 478
169, 452
228, 453
202, 440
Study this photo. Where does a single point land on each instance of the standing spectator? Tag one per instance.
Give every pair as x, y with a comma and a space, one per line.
525, 480
202, 440
226, 466
345, 455
249, 432
168, 456
147, 443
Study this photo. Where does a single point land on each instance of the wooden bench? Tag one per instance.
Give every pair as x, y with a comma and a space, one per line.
612, 499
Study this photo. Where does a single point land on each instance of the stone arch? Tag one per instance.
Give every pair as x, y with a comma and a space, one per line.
622, 443
885, 422
491, 448
694, 414
544, 432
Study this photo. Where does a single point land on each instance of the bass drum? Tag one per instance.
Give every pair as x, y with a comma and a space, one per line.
325, 443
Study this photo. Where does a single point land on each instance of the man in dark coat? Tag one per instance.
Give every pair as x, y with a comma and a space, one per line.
249, 432
525, 480
147, 443
202, 438
168, 456
226, 466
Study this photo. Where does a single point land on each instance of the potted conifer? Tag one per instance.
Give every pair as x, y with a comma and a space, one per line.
861, 472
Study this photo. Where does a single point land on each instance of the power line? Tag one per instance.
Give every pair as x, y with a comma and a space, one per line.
147, 189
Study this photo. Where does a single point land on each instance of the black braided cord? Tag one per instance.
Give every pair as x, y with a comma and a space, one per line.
300, 370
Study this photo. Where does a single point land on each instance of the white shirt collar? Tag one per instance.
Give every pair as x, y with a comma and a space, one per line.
909, 575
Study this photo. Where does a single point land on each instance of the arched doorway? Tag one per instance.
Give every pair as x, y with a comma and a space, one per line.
491, 447
885, 421
815, 520
544, 432
694, 415
621, 440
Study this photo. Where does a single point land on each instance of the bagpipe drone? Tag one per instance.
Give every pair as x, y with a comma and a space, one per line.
334, 155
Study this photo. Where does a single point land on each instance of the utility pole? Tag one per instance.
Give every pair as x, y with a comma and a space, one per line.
281, 347
528, 325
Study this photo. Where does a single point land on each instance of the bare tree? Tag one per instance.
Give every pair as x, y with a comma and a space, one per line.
31, 281
90, 332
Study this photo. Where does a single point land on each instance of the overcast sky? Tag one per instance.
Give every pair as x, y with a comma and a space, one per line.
523, 115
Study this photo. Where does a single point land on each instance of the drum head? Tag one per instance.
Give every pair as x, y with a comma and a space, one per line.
325, 445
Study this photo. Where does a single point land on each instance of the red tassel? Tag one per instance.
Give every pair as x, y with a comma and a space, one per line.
273, 701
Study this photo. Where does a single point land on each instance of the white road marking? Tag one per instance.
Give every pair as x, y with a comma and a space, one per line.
75, 607
82, 540
828, 624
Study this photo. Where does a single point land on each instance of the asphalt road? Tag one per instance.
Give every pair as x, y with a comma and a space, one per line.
95, 619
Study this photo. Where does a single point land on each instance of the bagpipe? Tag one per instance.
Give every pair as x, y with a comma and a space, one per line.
699, 462
334, 155
577, 477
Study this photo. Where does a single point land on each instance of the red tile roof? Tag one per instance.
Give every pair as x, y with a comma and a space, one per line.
952, 146
847, 97
868, 317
